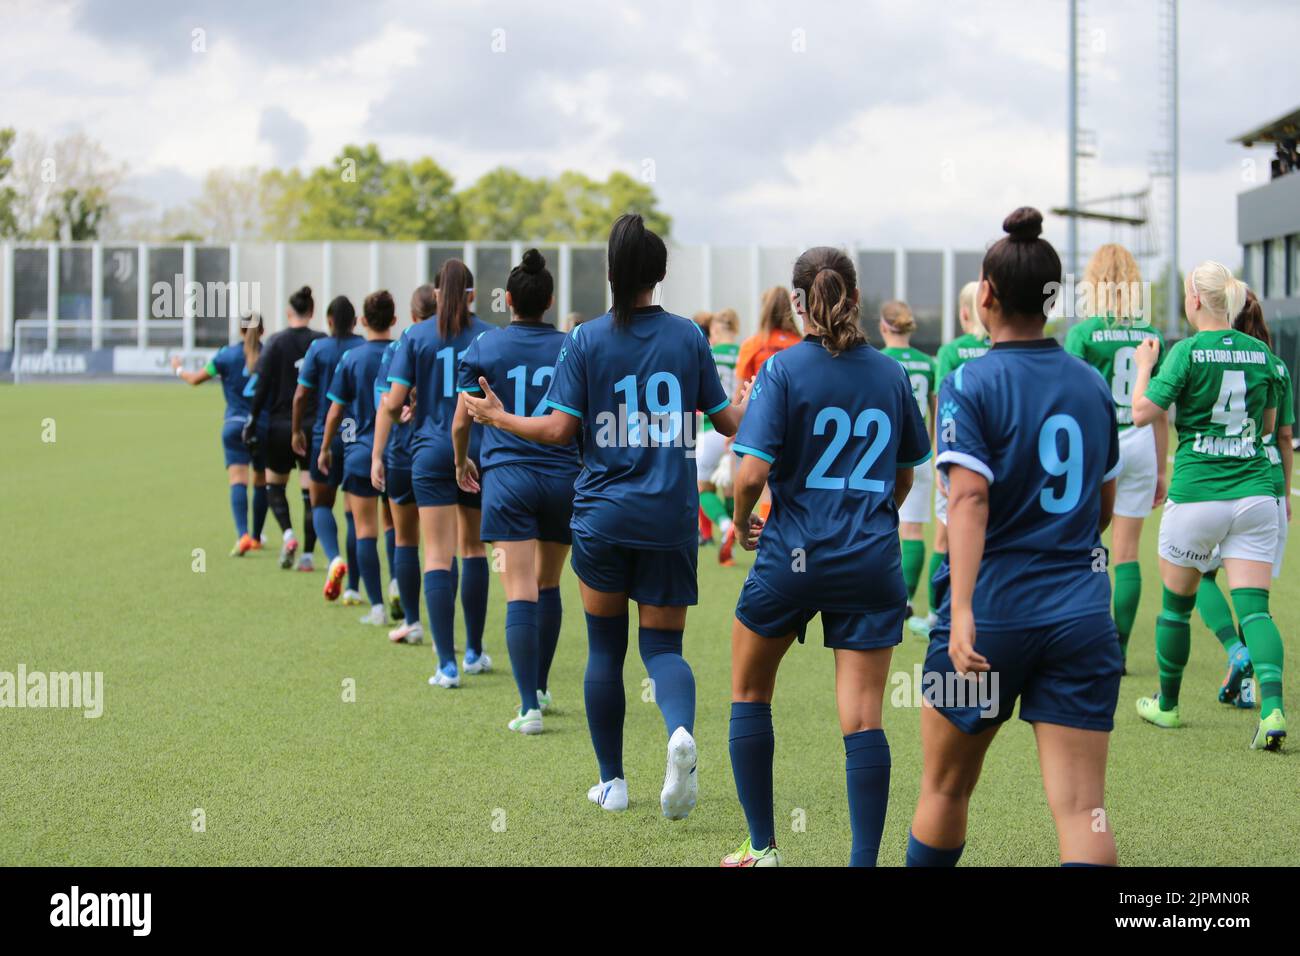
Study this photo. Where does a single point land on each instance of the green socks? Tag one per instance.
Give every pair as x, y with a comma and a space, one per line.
936, 559
1128, 592
1216, 614
713, 506
1173, 644
913, 559
1264, 643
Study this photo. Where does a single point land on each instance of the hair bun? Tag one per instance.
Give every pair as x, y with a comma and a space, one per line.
1024, 225
305, 290
533, 262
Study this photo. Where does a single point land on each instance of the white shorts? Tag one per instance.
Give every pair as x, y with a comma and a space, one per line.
916, 506
940, 500
1282, 524
1195, 534
1135, 488
709, 449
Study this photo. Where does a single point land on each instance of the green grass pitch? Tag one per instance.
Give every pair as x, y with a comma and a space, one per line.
224, 692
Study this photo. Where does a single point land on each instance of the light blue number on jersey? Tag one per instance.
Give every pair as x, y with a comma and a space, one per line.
541, 377
1071, 466
660, 409
857, 480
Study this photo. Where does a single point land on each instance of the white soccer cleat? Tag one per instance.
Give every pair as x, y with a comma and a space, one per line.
306, 562
352, 598
681, 786
610, 795
529, 722
445, 676
407, 634
478, 663
544, 701
376, 616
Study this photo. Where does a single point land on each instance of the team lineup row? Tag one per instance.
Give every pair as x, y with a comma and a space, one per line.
607, 446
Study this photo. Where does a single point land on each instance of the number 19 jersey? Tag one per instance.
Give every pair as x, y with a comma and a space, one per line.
1040, 427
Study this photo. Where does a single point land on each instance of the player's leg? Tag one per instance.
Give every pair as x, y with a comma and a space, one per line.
406, 562
238, 476
602, 687
1135, 493
259, 506
323, 495
473, 586
859, 689
922, 626
1126, 536
519, 577
1215, 611
306, 562
365, 513
551, 556
439, 531
659, 639
951, 764
1073, 764
390, 552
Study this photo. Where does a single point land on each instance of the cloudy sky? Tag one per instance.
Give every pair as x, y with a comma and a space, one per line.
793, 121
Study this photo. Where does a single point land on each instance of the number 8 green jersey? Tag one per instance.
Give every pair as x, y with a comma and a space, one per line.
1108, 345
920, 373
1222, 381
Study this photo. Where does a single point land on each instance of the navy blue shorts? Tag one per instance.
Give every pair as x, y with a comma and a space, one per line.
335, 477
236, 452
434, 485
646, 575
1065, 673
356, 470
521, 504
768, 614
397, 485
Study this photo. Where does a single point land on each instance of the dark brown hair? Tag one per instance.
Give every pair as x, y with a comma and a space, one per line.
531, 286
638, 260
251, 329
1023, 270
1251, 320
342, 316
826, 279
302, 303
380, 311
423, 301
453, 284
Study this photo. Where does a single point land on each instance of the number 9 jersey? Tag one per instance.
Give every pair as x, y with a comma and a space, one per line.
1039, 425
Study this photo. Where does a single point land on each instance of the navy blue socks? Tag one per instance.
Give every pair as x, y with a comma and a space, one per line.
603, 691
550, 615
239, 508
368, 555
521, 642
354, 566
473, 601
440, 598
866, 765
406, 562
921, 854
327, 529
674, 684
752, 745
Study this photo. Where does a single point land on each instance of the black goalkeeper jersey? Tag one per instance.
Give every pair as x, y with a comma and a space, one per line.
276, 377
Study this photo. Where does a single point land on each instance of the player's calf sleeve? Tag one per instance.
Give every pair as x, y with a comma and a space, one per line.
239, 508
1216, 614
442, 614
368, 557
866, 765
279, 505
259, 510
327, 529
407, 561
752, 745
936, 562
922, 854
550, 615
1173, 644
1264, 643
602, 691
521, 642
474, 600
354, 566
308, 525
674, 683
913, 560
390, 548
1128, 592
713, 506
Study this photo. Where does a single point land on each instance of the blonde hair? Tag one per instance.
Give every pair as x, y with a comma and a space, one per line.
1115, 280
1218, 289
726, 321
968, 300
898, 317
703, 320
775, 312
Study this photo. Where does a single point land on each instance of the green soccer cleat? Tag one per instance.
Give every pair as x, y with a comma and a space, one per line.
1239, 669
1271, 732
544, 701
1149, 710
746, 856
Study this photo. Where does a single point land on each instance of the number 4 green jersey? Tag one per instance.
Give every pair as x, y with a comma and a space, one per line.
920, 370
1108, 345
1222, 381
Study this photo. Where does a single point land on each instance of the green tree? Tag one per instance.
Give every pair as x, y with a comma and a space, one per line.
577, 208
8, 195
502, 204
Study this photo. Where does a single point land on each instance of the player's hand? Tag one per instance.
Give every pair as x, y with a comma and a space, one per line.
467, 476
486, 410
961, 645
1147, 353
741, 398
299, 443
754, 528
407, 413
248, 435
377, 476
323, 459
1162, 490
176, 362
1288, 509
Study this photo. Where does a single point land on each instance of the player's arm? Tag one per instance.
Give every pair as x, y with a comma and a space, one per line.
383, 429
968, 518
1145, 411
299, 436
1284, 448
727, 419
934, 415
903, 479
323, 460
193, 378
555, 428
466, 470
1161, 428
1107, 495
747, 485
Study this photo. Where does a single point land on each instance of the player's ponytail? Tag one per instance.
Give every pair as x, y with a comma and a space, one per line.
1219, 290
1251, 320
1022, 269
898, 317
827, 283
342, 316
454, 284
251, 330
638, 260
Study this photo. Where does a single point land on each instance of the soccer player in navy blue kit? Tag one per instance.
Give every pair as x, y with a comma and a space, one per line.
390, 472
834, 430
449, 517
527, 488
233, 364
314, 377
352, 412
632, 381
1028, 445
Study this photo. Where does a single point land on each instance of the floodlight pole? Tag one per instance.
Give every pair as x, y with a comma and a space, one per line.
1072, 109
1174, 293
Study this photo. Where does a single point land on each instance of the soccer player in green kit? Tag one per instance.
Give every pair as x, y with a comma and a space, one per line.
1108, 342
972, 343
1227, 389
711, 445
896, 327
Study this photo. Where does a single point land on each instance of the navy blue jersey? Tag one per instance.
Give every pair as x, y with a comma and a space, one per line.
398, 452
317, 371
1039, 424
426, 362
637, 391
836, 429
353, 386
228, 365
518, 362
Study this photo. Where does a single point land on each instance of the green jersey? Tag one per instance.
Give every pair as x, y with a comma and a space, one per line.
957, 352
1285, 417
1223, 382
724, 357
1108, 345
920, 371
